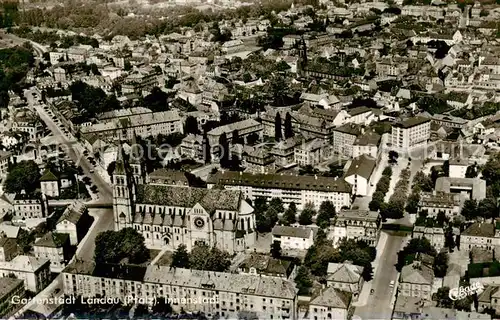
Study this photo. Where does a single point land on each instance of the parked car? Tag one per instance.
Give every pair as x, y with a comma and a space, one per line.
391, 285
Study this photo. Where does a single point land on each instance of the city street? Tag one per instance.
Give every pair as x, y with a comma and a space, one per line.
103, 220
71, 146
379, 304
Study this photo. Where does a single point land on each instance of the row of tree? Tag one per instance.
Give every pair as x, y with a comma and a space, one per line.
396, 207
381, 190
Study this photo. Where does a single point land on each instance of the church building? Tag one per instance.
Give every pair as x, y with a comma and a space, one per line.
168, 215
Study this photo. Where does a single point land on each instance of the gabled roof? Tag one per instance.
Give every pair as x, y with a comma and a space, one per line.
295, 232
417, 273
344, 272
478, 229
332, 298
362, 166
48, 176
52, 240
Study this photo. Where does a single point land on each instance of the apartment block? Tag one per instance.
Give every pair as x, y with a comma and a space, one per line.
219, 293
411, 133
289, 188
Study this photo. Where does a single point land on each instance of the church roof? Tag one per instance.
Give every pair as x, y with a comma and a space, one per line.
209, 199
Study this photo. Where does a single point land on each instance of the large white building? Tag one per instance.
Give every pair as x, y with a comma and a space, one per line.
168, 216
359, 174
289, 188
143, 125
213, 293
293, 238
411, 133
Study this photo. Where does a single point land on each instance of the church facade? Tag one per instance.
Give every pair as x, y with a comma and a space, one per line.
168, 216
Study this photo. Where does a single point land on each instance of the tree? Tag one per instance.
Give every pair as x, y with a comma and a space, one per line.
471, 171
441, 218
414, 246
290, 215
288, 126
393, 157
207, 150
446, 168
305, 217
387, 172
377, 201
24, 175
303, 280
180, 257
277, 127
443, 298
277, 204
203, 257
469, 209
191, 125
25, 240
392, 210
115, 246
224, 151
325, 214
276, 249
412, 203
449, 240
111, 168
441, 264
157, 100
487, 208
367, 273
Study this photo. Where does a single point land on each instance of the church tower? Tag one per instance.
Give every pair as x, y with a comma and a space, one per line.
123, 191
135, 159
302, 61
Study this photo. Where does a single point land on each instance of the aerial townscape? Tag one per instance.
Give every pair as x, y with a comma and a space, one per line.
270, 159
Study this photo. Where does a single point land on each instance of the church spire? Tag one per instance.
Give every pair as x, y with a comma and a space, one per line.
120, 160
135, 151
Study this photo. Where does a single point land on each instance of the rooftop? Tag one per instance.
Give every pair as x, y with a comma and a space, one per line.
280, 181
209, 199
362, 166
344, 272
332, 298
412, 122
479, 229
7, 285
295, 232
219, 281
53, 240
417, 273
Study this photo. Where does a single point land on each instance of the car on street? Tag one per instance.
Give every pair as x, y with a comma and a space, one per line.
391, 284
91, 171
